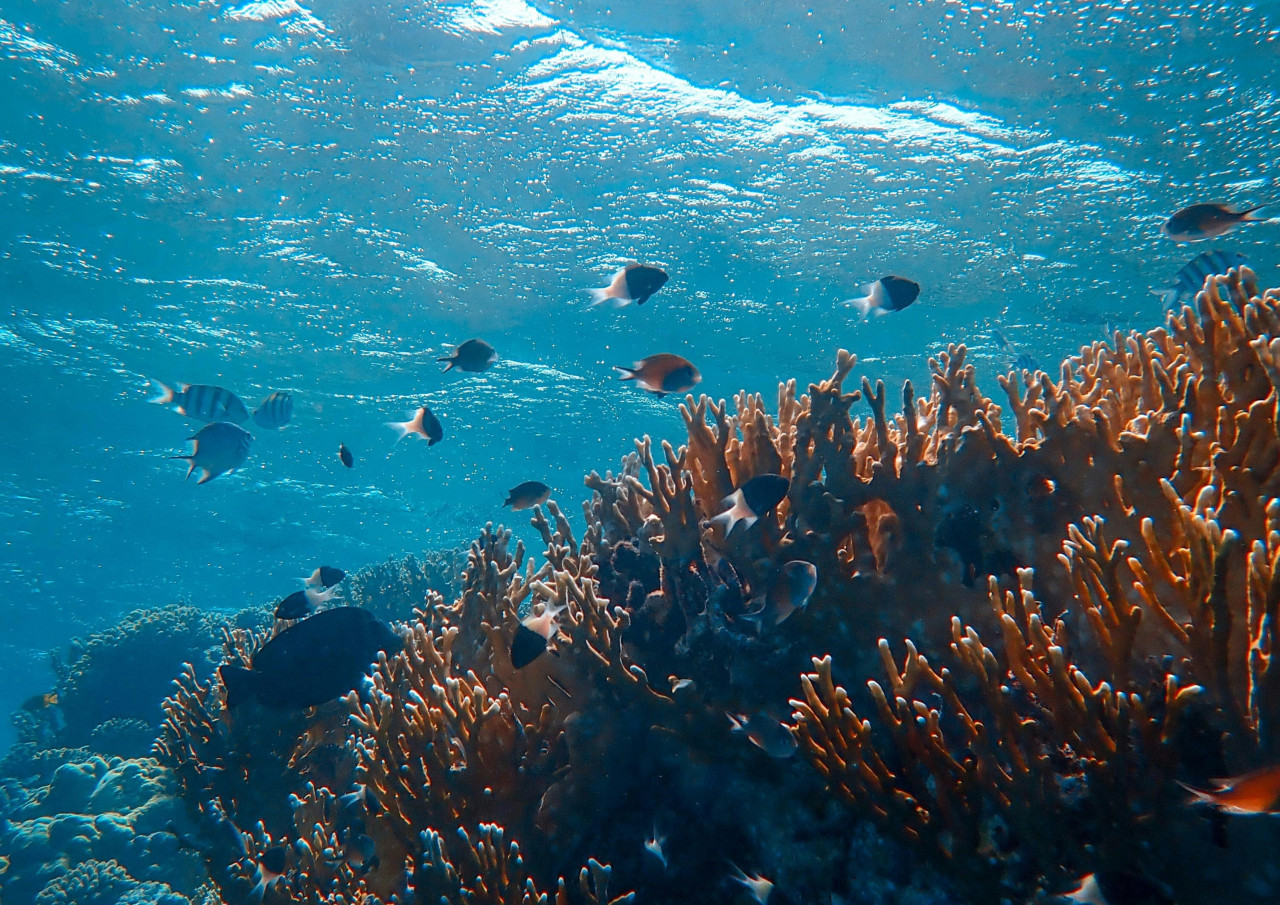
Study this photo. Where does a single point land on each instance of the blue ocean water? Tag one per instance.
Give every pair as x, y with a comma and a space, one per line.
323, 198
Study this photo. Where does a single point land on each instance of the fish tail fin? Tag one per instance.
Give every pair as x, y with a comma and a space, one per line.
402, 428
318, 597
239, 683
606, 297
163, 394
865, 304
725, 520
1198, 796
625, 373
874, 300
256, 894
449, 366
191, 464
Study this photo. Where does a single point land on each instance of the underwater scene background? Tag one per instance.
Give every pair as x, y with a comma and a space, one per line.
326, 199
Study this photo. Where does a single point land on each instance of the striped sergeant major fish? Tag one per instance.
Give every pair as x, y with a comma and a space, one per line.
1190, 279
275, 411
201, 401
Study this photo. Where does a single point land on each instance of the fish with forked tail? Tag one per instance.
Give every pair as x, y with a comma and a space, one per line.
531, 637
633, 283
423, 424
201, 401
752, 500
789, 591
527, 495
889, 293
1253, 793
300, 603
662, 374
220, 447
324, 577
1207, 221
271, 868
474, 355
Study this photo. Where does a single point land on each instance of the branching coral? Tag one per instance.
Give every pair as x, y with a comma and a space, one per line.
1189, 414
1136, 492
395, 588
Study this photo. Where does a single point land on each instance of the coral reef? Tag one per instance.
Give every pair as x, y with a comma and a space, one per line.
1170, 601
1086, 600
122, 672
96, 832
395, 588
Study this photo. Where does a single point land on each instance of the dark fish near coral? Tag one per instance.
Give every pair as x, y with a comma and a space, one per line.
752, 500
275, 411
300, 603
324, 577
1206, 221
633, 283
766, 733
790, 591
1190, 279
317, 660
1118, 887
532, 635
1253, 793
201, 401
527, 495
886, 294
662, 374
361, 801
760, 888
345, 457
423, 424
219, 447
271, 867
474, 355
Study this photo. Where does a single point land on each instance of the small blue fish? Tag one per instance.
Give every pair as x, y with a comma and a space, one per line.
201, 401
1190, 279
275, 411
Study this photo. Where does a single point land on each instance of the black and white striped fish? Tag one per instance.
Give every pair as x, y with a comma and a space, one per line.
201, 401
1022, 361
275, 411
1190, 279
